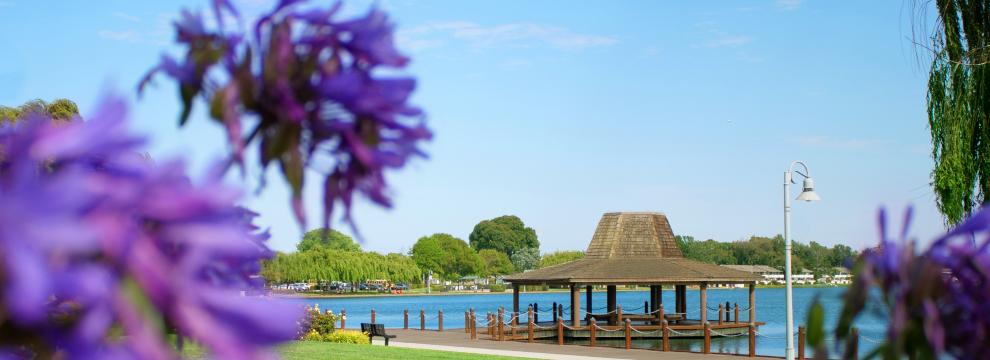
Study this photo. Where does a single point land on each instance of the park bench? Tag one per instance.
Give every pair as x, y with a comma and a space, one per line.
376, 330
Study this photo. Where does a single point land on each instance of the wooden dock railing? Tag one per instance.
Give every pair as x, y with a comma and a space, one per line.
499, 329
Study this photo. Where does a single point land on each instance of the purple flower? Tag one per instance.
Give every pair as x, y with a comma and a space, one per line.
938, 301
94, 237
304, 89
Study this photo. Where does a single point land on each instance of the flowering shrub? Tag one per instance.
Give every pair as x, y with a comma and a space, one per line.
307, 86
937, 301
318, 321
347, 337
96, 240
312, 335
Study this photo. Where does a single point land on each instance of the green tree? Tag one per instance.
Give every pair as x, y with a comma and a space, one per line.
526, 259
322, 264
447, 256
327, 239
840, 254
959, 107
709, 251
496, 262
505, 233
560, 257
60, 109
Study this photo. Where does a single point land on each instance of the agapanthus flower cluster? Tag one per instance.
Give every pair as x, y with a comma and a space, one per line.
938, 301
306, 88
103, 252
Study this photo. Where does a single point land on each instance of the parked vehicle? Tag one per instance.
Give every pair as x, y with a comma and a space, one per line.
403, 287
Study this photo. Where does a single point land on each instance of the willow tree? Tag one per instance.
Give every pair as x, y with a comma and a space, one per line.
959, 107
60, 109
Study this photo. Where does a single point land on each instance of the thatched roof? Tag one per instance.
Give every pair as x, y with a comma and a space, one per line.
633, 248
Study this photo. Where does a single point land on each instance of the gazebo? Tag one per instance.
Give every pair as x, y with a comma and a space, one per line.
636, 248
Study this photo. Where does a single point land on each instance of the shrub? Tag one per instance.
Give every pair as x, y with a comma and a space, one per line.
317, 321
347, 337
496, 288
312, 335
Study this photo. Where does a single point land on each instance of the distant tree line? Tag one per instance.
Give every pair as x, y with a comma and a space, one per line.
499, 246
328, 255
759, 250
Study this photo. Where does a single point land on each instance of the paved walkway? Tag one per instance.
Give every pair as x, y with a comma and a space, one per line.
457, 341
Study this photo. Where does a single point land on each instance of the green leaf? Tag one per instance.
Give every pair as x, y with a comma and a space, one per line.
139, 299
816, 324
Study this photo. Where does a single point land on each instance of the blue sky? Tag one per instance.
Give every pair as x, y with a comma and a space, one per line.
559, 111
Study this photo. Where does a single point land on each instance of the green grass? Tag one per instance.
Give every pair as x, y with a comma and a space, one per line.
306, 350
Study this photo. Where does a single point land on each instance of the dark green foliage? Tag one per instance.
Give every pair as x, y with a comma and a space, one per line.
322, 265
496, 288
327, 239
496, 262
959, 107
504, 233
758, 250
447, 256
60, 109
319, 321
560, 257
526, 259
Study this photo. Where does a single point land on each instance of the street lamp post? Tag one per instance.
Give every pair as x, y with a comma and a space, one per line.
807, 194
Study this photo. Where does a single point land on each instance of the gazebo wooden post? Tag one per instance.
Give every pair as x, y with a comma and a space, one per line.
593, 328
575, 305
554, 311
474, 326
654, 298
680, 306
529, 324
736, 315
752, 339
752, 302
721, 313
666, 335
610, 302
708, 338
703, 295
501, 322
515, 303
628, 334
660, 316
587, 300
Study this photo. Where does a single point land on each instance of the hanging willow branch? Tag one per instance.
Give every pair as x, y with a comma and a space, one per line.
958, 107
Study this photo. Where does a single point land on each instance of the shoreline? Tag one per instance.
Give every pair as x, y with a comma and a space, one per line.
462, 293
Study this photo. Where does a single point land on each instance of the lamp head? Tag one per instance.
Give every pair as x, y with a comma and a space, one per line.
808, 194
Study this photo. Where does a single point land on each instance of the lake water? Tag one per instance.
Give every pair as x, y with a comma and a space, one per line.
770, 308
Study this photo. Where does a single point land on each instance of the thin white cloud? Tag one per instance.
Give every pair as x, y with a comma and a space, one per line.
728, 41
789, 4
125, 36
717, 38
513, 34
125, 16
825, 142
